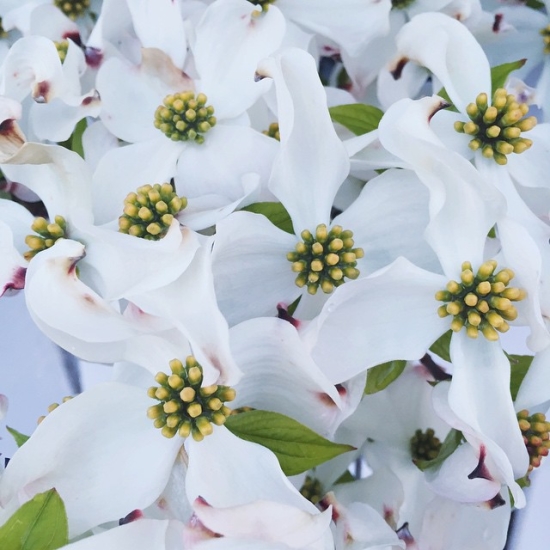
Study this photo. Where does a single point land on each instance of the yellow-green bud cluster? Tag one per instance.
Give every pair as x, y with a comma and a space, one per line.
54, 406
536, 436
424, 445
481, 301
48, 233
273, 131
324, 259
496, 129
185, 407
62, 48
312, 490
149, 212
72, 8
545, 33
185, 117
3, 31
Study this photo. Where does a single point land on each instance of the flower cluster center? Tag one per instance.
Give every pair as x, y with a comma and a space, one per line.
52, 408
185, 116
481, 301
186, 407
324, 259
48, 234
496, 129
401, 4
149, 212
72, 8
273, 131
545, 33
264, 4
536, 436
312, 489
424, 445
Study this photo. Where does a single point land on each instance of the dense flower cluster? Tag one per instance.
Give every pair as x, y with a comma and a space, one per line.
313, 210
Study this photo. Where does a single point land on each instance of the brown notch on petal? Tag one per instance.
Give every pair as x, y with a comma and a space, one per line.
496, 502
132, 516
41, 91
497, 22
440, 106
481, 471
282, 313
93, 56
90, 99
11, 139
398, 69
75, 37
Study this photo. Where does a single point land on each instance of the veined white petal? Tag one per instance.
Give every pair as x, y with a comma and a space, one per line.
312, 163
389, 315
273, 358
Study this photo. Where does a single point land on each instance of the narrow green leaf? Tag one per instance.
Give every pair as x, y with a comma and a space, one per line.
18, 436
519, 365
452, 441
40, 524
357, 117
500, 73
275, 212
297, 447
441, 346
383, 375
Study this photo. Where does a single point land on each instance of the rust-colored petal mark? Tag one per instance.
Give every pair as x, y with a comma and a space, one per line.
11, 139
93, 56
17, 281
481, 471
496, 502
397, 71
132, 516
41, 92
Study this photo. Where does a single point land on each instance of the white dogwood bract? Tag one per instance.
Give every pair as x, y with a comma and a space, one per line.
299, 236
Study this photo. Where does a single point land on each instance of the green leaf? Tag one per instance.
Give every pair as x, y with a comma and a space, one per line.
18, 436
275, 212
40, 524
441, 346
535, 4
74, 143
452, 441
383, 375
500, 73
357, 117
519, 365
298, 448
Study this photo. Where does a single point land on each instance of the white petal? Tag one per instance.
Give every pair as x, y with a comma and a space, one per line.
231, 39
159, 24
227, 471
312, 163
350, 23
389, 315
266, 521
190, 304
457, 191
253, 241
82, 450
535, 388
274, 359
144, 534
446, 47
